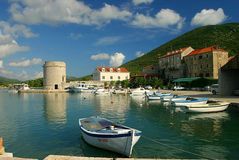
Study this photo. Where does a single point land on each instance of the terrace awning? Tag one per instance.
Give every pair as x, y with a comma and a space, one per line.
186, 79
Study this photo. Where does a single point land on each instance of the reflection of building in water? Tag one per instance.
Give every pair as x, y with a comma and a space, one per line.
112, 107
55, 107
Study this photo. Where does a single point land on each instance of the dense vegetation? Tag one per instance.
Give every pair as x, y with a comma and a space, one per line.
224, 36
35, 83
137, 82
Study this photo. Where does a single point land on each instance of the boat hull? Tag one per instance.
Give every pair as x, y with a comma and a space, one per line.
206, 108
122, 144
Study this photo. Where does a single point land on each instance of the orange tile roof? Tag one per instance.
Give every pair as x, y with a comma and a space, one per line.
179, 51
107, 69
203, 50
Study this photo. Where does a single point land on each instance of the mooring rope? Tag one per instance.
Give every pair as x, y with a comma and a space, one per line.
179, 149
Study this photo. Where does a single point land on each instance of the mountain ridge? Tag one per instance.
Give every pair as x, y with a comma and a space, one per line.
224, 36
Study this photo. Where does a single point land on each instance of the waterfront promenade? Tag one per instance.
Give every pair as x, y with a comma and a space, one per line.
231, 99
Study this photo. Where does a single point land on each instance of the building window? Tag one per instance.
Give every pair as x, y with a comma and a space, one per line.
200, 57
126, 77
118, 77
103, 77
103, 69
207, 74
111, 77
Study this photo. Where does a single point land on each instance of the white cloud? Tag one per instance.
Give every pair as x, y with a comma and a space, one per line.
26, 63
68, 11
117, 59
16, 30
107, 41
100, 56
9, 46
138, 2
38, 75
209, 17
139, 54
1, 64
165, 18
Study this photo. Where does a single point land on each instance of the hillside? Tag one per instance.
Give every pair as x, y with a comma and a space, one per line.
225, 36
4, 81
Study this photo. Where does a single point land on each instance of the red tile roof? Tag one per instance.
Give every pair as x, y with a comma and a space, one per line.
204, 50
107, 69
179, 51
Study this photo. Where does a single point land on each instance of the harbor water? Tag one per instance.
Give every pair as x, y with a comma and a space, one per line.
36, 125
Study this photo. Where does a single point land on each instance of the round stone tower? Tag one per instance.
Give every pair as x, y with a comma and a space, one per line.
54, 75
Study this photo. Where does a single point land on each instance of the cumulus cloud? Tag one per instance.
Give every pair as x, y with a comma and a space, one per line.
26, 62
165, 18
209, 17
138, 2
68, 11
117, 59
9, 46
16, 30
139, 54
100, 56
107, 41
1, 63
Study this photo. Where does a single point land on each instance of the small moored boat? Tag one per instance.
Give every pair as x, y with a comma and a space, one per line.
105, 134
139, 92
190, 101
206, 108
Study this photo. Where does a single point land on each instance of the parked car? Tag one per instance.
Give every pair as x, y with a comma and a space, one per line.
148, 87
215, 89
178, 88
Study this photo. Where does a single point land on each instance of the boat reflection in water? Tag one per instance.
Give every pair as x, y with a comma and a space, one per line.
55, 107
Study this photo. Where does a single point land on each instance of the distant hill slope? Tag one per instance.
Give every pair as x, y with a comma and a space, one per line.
225, 36
4, 80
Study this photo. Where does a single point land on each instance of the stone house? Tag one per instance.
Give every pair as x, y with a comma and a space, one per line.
205, 62
171, 65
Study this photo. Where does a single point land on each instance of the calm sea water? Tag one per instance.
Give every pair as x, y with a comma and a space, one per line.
36, 125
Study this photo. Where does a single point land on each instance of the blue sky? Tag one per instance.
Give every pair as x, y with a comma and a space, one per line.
90, 33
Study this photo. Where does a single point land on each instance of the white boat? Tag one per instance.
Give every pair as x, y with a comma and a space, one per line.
119, 91
158, 96
207, 108
179, 98
88, 90
82, 87
105, 134
101, 91
190, 101
166, 98
139, 92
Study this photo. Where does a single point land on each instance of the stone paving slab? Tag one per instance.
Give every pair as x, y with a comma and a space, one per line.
59, 157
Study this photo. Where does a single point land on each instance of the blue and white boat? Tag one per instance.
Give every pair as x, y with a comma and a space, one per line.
178, 98
158, 96
190, 101
105, 134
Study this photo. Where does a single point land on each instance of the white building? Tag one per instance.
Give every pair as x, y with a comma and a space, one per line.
110, 74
